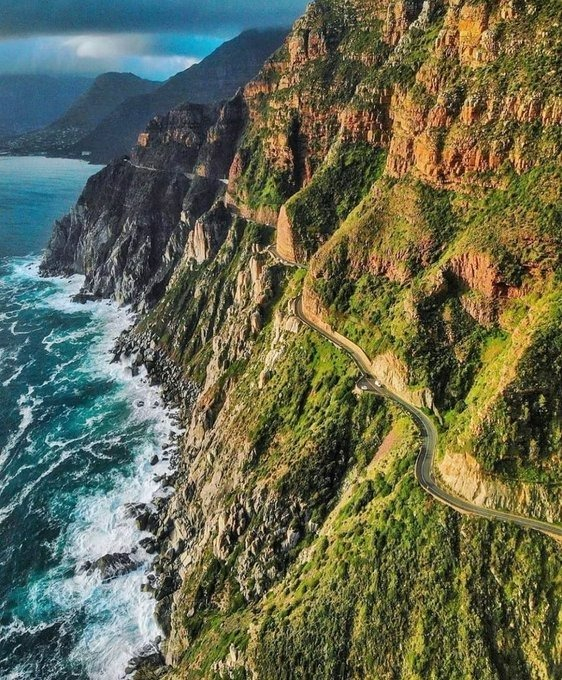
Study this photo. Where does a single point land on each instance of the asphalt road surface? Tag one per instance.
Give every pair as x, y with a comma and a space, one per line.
425, 461
189, 175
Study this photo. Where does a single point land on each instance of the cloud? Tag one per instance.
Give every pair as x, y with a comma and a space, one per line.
159, 67
222, 18
153, 38
150, 56
106, 46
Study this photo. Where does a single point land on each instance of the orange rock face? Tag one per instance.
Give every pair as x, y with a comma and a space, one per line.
477, 271
442, 124
371, 126
472, 24
399, 16
285, 243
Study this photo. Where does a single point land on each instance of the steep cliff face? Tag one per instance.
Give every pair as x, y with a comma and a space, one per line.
445, 87
298, 102
133, 220
118, 239
430, 218
440, 258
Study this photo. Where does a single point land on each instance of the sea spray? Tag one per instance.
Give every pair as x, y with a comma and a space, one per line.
76, 453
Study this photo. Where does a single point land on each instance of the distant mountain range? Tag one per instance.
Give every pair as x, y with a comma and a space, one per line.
106, 121
105, 93
29, 102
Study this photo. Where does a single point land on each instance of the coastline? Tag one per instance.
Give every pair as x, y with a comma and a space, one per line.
139, 352
142, 360
104, 552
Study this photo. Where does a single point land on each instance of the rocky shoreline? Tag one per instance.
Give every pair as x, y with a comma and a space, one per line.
140, 350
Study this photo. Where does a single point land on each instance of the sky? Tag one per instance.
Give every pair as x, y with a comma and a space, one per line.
152, 38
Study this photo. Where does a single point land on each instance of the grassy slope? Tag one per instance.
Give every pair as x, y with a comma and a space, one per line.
394, 585
403, 588
445, 348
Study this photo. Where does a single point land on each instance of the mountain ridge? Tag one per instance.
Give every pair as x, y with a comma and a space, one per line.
31, 101
217, 77
104, 94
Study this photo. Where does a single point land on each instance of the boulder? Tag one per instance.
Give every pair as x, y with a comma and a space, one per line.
147, 658
112, 565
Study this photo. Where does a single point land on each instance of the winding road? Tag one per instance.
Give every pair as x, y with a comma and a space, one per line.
189, 175
424, 469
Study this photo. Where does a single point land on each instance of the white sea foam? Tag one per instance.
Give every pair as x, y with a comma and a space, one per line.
25, 267
107, 649
27, 403
10, 356
16, 374
63, 443
28, 489
14, 332
58, 374
17, 627
57, 337
19, 673
119, 616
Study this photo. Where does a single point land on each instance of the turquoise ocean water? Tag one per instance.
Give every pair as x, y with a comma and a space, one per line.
76, 437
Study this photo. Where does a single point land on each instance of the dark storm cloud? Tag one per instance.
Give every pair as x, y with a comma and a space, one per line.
211, 17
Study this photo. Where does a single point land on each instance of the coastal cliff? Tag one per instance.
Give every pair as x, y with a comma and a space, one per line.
409, 153
130, 226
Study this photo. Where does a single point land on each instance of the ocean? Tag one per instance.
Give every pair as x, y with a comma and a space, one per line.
77, 434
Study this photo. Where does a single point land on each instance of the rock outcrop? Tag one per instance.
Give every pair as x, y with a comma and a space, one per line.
131, 225
465, 476
112, 566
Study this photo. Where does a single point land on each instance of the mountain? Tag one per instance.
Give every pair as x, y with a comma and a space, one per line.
395, 189
216, 77
29, 102
106, 93
106, 121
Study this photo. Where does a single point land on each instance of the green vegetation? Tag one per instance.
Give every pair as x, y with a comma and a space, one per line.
319, 556
519, 224
404, 588
398, 586
263, 185
521, 436
316, 211
433, 323
312, 421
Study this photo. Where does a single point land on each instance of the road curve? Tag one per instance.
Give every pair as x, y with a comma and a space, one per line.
189, 175
426, 458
